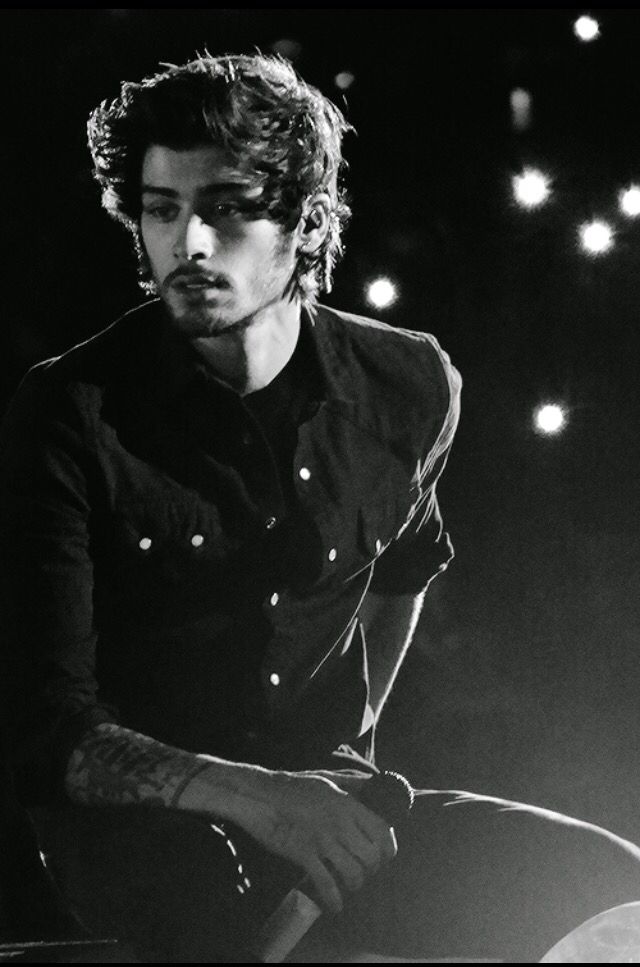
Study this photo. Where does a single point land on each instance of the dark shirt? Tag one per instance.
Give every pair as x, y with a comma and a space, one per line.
190, 563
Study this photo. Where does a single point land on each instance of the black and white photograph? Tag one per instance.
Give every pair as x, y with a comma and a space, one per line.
319, 486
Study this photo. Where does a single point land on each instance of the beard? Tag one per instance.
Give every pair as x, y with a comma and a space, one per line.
204, 302
226, 307
202, 314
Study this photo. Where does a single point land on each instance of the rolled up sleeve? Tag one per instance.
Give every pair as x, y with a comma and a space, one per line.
422, 548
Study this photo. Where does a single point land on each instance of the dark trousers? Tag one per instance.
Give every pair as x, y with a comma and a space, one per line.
468, 882
473, 882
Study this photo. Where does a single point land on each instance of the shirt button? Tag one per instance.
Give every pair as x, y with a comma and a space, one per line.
197, 540
378, 546
270, 523
332, 554
304, 473
273, 600
144, 543
274, 678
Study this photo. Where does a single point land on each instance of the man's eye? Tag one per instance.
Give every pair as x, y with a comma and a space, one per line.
236, 210
226, 209
161, 213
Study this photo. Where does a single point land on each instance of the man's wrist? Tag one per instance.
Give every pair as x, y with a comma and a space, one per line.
198, 767
221, 788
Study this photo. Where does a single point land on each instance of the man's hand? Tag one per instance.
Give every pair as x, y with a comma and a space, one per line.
312, 819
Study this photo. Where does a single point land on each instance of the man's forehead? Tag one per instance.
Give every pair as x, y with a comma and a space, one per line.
206, 168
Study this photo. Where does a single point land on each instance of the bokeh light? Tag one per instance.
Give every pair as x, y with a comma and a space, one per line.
586, 28
287, 47
520, 101
344, 80
596, 237
549, 419
630, 201
381, 293
532, 188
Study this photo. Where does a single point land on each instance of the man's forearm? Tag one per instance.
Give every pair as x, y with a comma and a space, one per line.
118, 767
389, 622
307, 818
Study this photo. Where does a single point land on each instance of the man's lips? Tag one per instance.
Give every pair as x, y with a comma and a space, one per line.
194, 280
196, 283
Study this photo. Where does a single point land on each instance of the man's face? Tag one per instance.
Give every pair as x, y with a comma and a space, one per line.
216, 264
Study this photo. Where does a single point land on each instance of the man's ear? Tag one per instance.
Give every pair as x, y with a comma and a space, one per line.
314, 222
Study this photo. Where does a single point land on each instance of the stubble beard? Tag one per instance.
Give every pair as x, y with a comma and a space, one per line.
202, 319
228, 312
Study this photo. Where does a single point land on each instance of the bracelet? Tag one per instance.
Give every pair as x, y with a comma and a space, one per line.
182, 785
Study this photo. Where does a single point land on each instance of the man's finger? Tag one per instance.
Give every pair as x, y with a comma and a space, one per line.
362, 848
324, 885
348, 868
377, 830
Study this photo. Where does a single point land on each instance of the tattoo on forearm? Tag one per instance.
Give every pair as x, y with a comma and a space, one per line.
115, 766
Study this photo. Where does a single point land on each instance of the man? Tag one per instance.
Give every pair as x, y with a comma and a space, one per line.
219, 515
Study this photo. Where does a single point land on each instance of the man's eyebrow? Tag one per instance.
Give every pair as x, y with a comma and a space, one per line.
217, 188
156, 190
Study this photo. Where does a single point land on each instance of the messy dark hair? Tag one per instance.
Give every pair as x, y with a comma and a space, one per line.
257, 108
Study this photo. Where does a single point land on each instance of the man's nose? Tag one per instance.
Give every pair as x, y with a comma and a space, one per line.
196, 241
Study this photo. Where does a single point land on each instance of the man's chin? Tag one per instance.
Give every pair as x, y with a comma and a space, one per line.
200, 324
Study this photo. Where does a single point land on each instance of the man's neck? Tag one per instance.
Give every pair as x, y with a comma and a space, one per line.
248, 357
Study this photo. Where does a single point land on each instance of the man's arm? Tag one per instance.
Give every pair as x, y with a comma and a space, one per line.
389, 623
307, 818
392, 607
114, 766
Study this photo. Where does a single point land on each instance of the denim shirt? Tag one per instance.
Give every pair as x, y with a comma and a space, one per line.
153, 572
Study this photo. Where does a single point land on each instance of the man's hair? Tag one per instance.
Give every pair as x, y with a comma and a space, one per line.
256, 108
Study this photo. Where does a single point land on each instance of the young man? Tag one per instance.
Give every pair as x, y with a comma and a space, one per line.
219, 515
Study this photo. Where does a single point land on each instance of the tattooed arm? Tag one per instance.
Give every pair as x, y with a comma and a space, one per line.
306, 817
115, 766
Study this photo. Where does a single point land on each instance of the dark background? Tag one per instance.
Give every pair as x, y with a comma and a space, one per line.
524, 677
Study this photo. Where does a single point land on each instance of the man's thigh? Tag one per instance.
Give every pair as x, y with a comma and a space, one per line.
472, 882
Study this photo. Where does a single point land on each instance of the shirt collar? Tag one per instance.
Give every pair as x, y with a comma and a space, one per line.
175, 364
164, 367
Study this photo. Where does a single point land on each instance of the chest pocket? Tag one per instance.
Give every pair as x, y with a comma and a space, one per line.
166, 541
378, 526
354, 539
355, 533
384, 513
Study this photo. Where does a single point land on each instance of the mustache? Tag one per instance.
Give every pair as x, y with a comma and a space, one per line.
185, 274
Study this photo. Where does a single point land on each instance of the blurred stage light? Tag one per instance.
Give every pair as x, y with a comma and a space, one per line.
287, 47
531, 189
381, 293
596, 237
520, 101
586, 28
549, 419
344, 80
630, 201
